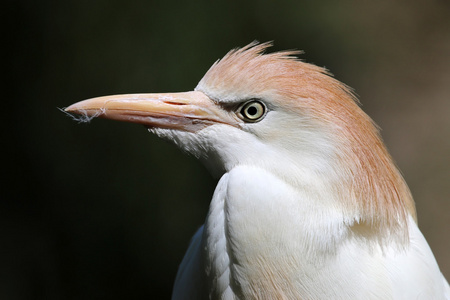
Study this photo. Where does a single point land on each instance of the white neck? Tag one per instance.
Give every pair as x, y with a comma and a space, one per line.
255, 229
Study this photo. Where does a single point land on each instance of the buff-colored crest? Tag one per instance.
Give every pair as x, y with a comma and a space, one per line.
375, 187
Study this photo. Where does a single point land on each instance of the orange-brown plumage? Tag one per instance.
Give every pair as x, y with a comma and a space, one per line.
373, 186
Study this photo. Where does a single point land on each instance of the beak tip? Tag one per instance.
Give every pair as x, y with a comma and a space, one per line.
83, 107
69, 108
76, 108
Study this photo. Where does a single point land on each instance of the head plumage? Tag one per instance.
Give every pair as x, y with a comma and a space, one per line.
375, 187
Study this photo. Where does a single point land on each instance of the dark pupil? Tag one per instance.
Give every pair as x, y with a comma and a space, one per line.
252, 110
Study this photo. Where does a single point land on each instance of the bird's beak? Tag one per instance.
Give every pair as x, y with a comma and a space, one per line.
190, 111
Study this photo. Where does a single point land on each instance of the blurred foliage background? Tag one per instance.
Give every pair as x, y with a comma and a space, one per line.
105, 210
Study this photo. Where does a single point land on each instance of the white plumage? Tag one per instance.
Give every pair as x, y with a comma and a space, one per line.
309, 204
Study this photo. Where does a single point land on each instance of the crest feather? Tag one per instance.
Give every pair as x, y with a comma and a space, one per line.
374, 187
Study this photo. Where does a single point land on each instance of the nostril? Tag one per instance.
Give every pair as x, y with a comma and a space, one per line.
175, 103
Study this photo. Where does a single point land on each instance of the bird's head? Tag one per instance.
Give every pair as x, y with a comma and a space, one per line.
289, 117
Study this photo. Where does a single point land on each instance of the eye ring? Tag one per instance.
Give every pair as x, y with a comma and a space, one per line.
252, 111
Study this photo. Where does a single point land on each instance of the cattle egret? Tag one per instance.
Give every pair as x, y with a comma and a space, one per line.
309, 204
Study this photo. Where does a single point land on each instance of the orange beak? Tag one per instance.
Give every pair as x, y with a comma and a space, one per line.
190, 111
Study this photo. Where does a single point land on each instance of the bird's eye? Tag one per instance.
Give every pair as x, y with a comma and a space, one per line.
252, 111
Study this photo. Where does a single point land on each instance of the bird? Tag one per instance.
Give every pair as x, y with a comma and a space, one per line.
309, 204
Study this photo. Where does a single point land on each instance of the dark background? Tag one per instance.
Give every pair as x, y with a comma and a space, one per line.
105, 210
